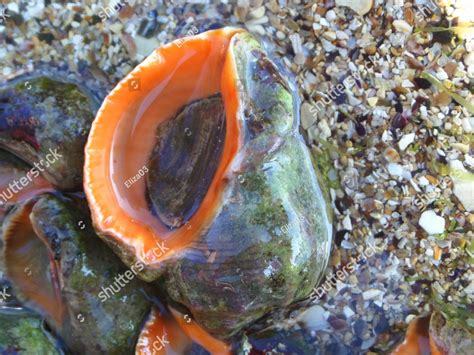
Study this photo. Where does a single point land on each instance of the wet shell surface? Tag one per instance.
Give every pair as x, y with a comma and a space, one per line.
197, 170
45, 120
24, 333
63, 271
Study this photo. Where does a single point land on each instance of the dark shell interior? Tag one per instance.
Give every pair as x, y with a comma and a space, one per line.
185, 160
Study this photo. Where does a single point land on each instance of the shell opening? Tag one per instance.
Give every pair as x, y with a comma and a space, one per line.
175, 81
31, 264
185, 159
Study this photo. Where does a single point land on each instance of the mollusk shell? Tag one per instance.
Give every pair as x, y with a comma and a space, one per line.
260, 237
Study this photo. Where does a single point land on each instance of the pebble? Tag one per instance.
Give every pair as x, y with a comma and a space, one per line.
469, 59
371, 294
258, 29
300, 59
257, 21
257, 13
463, 185
395, 169
361, 7
463, 148
116, 27
407, 84
391, 155
360, 328
406, 140
442, 75
325, 131
346, 223
373, 101
342, 35
308, 118
314, 318
348, 312
402, 26
280, 35
432, 223
330, 35
468, 124
331, 15
328, 46
145, 46
13, 7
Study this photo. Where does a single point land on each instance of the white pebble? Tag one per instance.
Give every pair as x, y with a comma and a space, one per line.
371, 294
441, 75
314, 318
402, 26
467, 124
463, 185
395, 169
346, 223
469, 59
331, 15
406, 140
360, 6
431, 222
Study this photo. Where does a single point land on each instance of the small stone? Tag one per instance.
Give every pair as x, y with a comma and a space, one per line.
406, 140
395, 169
300, 59
442, 99
391, 155
360, 6
371, 50
255, 28
325, 131
402, 26
331, 15
258, 12
330, 35
371, 294
116, 27
451, 68
373, 101
314, 318
327, 45
467, 124
145, 46
280, 35
469, 59
470, 218
432, 223
463, 185
442, 75
342, 35
348, 312
407, 84
346, 223
308, 118
463, 148
360, 328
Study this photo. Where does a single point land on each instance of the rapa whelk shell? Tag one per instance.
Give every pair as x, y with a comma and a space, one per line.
229, 217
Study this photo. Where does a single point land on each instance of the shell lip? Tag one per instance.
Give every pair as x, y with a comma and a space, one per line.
138, 238
20, 234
